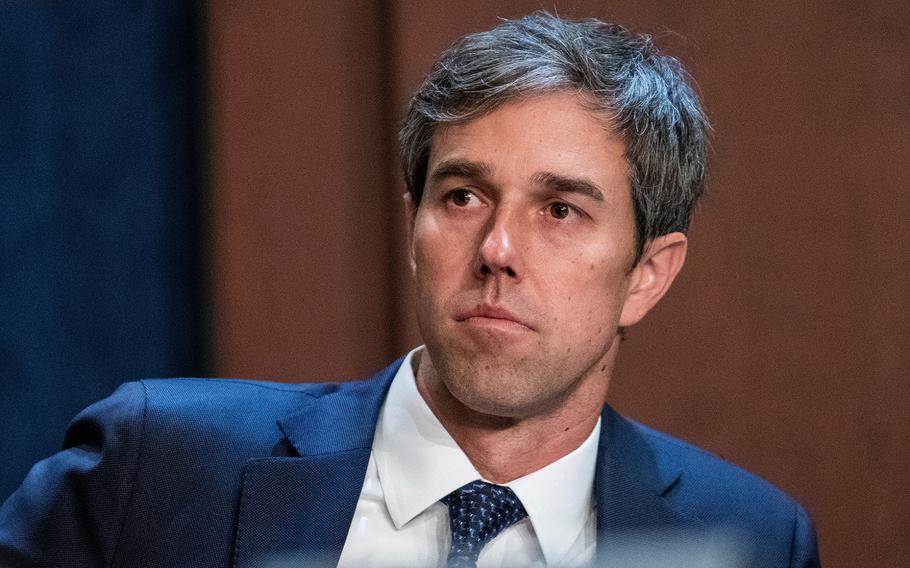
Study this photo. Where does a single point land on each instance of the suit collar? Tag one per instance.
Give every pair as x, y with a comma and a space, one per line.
633, 483
625, 451
342, 417
296, 510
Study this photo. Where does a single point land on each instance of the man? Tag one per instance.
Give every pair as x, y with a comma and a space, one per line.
552, 168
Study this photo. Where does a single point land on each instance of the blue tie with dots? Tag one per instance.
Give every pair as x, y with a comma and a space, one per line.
478, 512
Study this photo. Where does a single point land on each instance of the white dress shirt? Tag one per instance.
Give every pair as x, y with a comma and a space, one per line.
399, 520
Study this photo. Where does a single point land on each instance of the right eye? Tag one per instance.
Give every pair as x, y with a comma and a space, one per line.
463, 198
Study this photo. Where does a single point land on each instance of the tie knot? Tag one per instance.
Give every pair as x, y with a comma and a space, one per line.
478, 512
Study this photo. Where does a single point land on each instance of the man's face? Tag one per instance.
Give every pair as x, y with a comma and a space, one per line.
522, 246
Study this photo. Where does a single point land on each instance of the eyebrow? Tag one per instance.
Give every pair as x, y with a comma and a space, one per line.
463, 169
568, 184
482, 170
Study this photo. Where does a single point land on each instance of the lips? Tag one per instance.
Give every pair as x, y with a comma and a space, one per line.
486, 313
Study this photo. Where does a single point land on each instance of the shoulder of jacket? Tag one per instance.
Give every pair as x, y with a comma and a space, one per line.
717, 487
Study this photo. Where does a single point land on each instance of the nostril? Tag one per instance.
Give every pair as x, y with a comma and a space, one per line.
509, 271
484, 269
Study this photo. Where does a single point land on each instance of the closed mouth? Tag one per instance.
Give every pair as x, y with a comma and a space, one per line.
486, 314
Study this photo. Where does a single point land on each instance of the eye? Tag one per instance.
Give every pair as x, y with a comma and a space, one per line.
559, 210
463, 198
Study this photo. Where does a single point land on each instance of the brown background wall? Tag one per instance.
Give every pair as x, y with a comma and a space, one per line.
783, 346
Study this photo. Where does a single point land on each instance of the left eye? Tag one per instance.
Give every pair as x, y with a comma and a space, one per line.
463, 198
559, 210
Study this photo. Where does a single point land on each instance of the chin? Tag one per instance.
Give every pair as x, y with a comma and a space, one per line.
504, 393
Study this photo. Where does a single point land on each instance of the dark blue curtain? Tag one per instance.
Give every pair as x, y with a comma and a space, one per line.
100, 194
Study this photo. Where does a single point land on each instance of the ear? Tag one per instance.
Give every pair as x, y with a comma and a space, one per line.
651, 278
410, 213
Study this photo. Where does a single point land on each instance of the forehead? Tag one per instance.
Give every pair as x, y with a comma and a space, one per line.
546, 133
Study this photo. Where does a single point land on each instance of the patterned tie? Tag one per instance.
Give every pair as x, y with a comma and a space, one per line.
477, 513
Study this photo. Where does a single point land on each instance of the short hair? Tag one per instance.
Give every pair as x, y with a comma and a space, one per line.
643, 94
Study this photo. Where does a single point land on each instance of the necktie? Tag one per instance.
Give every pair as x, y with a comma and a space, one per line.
478, 512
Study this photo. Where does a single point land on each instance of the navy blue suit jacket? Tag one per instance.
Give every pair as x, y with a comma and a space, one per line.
218, 473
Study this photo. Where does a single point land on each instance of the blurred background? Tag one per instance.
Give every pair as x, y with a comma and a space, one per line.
212, 189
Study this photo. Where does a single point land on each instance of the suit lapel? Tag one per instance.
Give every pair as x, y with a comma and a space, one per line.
632, 486
296, 510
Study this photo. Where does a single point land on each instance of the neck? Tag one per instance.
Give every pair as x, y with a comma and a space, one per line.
504, 448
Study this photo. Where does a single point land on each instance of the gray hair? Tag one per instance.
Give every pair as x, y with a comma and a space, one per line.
643, 94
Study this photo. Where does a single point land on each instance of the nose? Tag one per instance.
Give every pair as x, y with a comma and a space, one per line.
498, 254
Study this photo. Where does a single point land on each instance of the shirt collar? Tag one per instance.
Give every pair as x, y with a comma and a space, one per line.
418, 463
559, 498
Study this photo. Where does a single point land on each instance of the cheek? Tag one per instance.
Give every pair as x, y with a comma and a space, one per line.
439, 259
427, 240
442, 238
589, 289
